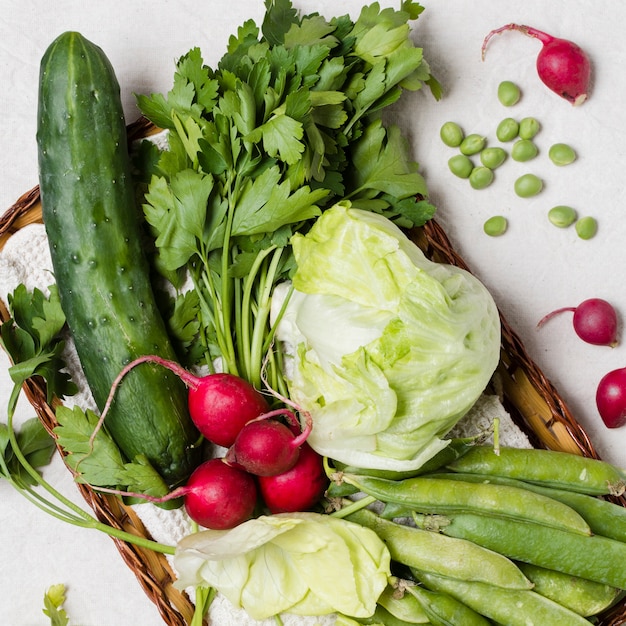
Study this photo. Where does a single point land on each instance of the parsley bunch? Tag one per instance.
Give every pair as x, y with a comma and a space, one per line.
288, 124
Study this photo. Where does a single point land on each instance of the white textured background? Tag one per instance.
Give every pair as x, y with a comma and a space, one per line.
531, 270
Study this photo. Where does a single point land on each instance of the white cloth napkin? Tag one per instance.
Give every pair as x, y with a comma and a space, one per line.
26, 259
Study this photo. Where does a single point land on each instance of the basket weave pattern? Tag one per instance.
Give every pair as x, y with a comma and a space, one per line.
531, 399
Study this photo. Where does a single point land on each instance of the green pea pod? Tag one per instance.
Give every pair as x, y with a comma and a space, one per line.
404, 607
439, 554
340, 490
582, 596
592, 557
563, 470
445, 610
437, 495
504, 606
604, 517
392, 510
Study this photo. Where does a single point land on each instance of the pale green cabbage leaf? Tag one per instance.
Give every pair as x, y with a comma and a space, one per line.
299, 563
389, 349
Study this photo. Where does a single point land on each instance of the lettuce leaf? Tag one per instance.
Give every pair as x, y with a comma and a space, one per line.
299, 563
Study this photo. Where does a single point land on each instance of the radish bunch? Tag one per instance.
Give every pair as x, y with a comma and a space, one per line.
266, 455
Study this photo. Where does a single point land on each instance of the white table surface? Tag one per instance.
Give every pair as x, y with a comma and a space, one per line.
531, 270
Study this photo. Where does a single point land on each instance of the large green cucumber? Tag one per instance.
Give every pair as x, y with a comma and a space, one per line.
92, 221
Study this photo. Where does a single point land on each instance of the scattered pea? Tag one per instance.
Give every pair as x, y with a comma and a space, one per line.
495, 226
451, 134
492, 157
507, 130
528, 185
562, 216
528, 127
472, 144
586, 227
508, 93
561, 154
524, 150
460, 165
481, 177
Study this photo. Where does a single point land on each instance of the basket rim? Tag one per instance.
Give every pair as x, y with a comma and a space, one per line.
528, 394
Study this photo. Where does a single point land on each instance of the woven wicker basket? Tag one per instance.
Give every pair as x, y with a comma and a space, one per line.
529, 396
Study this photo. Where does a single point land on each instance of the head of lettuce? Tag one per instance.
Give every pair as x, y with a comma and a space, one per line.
389, 349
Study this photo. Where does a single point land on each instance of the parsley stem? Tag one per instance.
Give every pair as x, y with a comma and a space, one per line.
251, 356
226, 284
72, 514
261, 322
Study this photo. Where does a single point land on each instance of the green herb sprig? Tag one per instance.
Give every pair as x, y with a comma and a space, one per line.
286, 125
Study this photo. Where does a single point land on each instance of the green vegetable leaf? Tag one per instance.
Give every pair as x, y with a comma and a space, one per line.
312, 30
41, 317
141, 477
35, 443
183, 319
53, 601
279, 17
101, 464
281, 136
32, 340
265, 204
381, 163
191, 66
177, 212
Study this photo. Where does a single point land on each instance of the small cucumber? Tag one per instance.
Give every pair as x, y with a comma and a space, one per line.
95, 234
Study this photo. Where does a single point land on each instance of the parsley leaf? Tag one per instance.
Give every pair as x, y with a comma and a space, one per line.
381, 163
53, 601
36, 445
101, 464
32, 338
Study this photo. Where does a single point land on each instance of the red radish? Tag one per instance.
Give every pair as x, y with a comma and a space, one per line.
561, 65
219, 404
299, 489
266, 447
216, 496
611, 398
595, 321
219, 496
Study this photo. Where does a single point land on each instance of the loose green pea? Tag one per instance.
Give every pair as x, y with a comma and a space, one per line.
460, 165
561, 154
586, 227
528, 127
481, 177
562, 216
524, 150
472, 144
492, 157
508, 93
507, 130
451, 134
528, 185
495, 226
